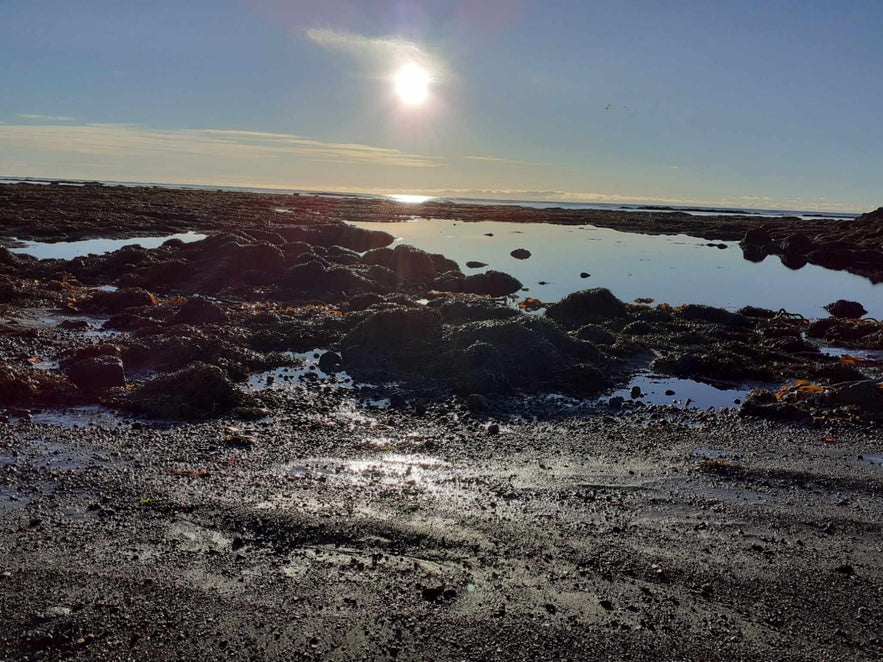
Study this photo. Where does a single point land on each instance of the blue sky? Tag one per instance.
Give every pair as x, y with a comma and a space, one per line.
767, 104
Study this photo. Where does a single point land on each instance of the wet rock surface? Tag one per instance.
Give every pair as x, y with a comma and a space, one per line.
291, 441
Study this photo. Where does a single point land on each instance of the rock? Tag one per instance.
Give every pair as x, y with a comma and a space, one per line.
313, 277
637, 328
712, 315
117, 301
844, 309
472, 264
336, 234
520, 253
392, 332
199, 310
865, 394
343, 256
756, 237
14, 388
794, 261
797, 244
74, 325
595, 334
443, 264
478, 309
197, 391
97, 374
408, 263
585, 307
584, 274
763, 404
490, 283
477, 403
260, 256
756, 312
330, 362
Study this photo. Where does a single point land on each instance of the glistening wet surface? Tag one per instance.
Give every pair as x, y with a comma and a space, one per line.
68, 250
672, 269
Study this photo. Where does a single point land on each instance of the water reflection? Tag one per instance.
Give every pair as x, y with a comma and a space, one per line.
672, 269
68, 250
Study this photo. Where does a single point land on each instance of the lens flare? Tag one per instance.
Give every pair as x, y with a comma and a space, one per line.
412, 84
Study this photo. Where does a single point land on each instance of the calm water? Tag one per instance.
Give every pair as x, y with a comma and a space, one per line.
671, 269
68, 250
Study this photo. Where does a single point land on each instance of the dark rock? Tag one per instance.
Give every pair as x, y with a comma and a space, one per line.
473, 310
337, 234
15, 389
844, 309
472, 264
797, 244
197, 391
392, 332
754, 311
330, 362
520, 253
756, 237
408, 263
260, 256
199, 310
74, 325
585, 274
97, 374
585, 307
595, 334
637, 328
443, 264
341, 255
712, 315
794, 261
115, 302
314, 277
491, 283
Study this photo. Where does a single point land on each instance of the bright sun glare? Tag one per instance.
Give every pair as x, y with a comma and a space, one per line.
412, 84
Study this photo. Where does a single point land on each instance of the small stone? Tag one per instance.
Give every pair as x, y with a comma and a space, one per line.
585, 275
493, 429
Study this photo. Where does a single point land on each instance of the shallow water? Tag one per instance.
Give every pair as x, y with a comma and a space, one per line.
672, 269
687, 393
68, 250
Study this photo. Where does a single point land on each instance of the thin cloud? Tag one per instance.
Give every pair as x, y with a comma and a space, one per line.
115, 139
499, 160
374, 52
45, 118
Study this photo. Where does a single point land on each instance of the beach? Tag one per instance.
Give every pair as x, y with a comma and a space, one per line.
285, 433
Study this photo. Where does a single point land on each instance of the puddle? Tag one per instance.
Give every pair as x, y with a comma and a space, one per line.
68, 250
305, 369
671, 269
657, 390
870, 354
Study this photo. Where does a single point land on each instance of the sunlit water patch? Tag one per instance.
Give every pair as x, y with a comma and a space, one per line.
650, 388
68, 250
672, 269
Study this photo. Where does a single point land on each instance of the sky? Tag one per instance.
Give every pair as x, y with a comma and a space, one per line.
767, 103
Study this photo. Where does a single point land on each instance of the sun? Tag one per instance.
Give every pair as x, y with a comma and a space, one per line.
412, 84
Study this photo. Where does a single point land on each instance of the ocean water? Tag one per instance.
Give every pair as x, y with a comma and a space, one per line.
668, 269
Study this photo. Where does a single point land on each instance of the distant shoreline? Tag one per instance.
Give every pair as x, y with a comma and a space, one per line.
633, 206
